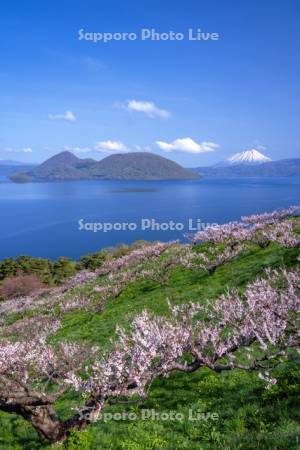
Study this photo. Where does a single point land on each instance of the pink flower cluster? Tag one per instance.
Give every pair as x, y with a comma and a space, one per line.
136, 256
244, 231
280, 232
232, 231
267, 312
260, 229
114, 284
273, 216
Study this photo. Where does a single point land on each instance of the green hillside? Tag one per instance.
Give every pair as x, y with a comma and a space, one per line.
127, 166
248, 415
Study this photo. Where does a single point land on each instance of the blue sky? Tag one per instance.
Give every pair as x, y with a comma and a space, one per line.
196, 102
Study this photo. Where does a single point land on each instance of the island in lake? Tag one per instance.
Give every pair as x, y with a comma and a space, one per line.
128, 166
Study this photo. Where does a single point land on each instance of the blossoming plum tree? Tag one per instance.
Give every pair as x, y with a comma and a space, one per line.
34, 373
260, 229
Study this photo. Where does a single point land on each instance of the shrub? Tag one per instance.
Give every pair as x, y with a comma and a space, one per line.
10, 267
39, 266
120, 250
63, 268
20, 285
92, 261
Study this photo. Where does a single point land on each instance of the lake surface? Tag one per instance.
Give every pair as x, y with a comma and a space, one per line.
44, 219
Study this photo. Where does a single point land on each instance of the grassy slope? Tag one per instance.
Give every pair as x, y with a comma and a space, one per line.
249, 416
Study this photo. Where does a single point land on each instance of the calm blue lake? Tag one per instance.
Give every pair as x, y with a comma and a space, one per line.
42, 219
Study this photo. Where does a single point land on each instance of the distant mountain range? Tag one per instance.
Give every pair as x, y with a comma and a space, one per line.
8, 167
249, 157
147, 166
281, 168
10, 162
127, 166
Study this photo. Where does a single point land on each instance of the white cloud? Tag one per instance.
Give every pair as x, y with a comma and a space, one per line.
110, 146
187, 145
148, 108
19, 150
101, 146
68, 116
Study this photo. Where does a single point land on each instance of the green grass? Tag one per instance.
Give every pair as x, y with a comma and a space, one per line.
249, 417
183, 286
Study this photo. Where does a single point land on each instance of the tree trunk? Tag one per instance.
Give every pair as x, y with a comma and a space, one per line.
45, 421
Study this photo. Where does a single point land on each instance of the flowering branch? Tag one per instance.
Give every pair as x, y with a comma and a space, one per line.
267, 314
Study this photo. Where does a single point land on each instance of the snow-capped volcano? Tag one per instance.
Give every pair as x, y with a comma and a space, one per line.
248, 157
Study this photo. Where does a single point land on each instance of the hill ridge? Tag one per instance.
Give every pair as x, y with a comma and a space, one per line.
127, 166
